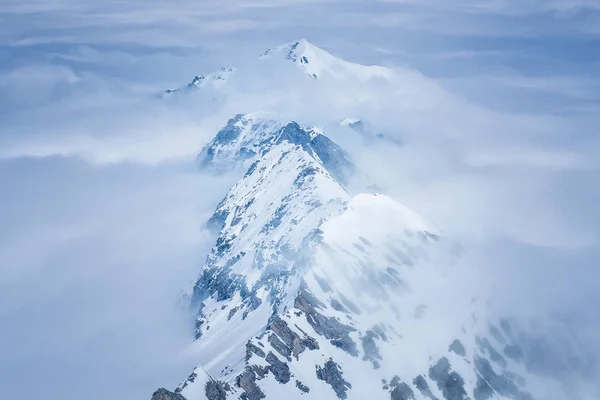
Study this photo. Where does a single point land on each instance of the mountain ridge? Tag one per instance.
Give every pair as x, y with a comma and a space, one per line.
267, 311
312, 291
313, 61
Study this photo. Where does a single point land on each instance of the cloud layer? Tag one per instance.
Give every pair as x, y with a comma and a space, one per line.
495, 101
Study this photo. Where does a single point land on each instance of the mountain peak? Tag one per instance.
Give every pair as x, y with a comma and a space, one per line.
317, 62
307, 56
247, 137
306, 281
214, 80
293, 51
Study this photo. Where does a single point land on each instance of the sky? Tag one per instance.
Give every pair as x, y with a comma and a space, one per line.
101, 206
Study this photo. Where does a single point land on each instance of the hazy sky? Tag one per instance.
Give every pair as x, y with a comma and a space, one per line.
101, 206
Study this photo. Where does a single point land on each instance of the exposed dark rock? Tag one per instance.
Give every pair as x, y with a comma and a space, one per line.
190, 379
247, 382
164, 394
332, 374
449, 382
306, 300
333, 157
304, 176
198, 327
291, 339
217, 220
215, 390
280, 369
302, 387
252, 302
400, 390
458, 348
226, 135
370, 348
260, 372
219, 281
330, 327
253, 349
421, 383
279, 346
347, 344
276, 219
311, 343
231, 313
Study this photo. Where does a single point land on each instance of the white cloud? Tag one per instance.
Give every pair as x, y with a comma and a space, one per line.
104, 204
93, 262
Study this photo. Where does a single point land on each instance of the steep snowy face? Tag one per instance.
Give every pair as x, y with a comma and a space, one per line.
267, 224
317, 63
240, 142
249, 137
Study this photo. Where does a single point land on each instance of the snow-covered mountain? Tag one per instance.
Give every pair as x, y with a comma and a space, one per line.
213, 80
312, 61
313, 292
318, 63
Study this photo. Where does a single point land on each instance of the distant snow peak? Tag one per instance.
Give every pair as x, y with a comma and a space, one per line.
214, 79
354, 123
318, 63
369, 136
291, 51
301, 52
308, 58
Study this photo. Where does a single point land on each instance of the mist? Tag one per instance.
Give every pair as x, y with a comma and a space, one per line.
94, 263
102, 205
